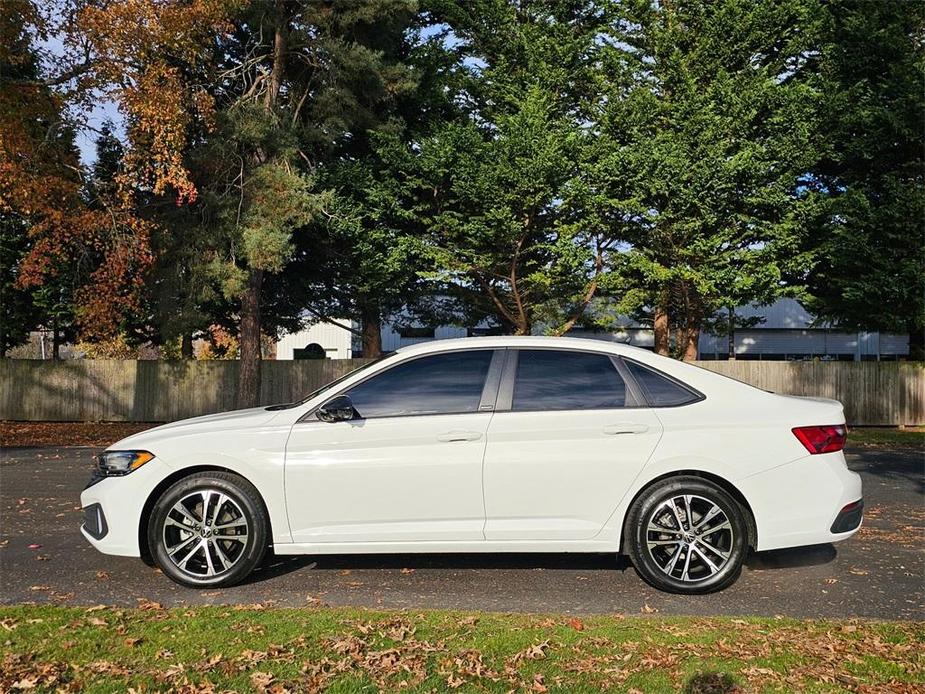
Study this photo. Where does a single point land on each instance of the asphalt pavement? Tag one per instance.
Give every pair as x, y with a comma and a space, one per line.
879, 573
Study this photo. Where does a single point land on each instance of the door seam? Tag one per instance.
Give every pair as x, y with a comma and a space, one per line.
484, 455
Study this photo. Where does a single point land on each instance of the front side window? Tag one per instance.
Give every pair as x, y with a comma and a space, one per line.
566, 380
660, 390
440, 384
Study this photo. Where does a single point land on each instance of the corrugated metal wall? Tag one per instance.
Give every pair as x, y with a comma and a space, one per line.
392, 340
336, 340
811, 342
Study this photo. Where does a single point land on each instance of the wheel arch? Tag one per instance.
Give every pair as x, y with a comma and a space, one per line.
721, 482
165, 484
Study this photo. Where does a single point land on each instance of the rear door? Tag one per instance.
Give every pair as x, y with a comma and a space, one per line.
569, 435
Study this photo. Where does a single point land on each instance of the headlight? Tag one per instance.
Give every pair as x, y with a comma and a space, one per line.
116, 463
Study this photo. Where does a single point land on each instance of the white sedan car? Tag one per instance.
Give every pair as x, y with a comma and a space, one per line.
507, 444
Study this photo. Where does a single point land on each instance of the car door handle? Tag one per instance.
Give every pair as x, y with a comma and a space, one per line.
460, 436
626, 428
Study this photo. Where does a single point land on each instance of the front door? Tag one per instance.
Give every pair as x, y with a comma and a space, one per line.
408, 468
567, 440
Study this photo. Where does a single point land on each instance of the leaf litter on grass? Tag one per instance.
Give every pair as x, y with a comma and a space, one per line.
153, 647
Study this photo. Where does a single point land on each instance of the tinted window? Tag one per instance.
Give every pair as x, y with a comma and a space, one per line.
561, 380
660, 390
441, 384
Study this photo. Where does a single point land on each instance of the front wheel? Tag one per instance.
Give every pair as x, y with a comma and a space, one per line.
687, 535
208, 529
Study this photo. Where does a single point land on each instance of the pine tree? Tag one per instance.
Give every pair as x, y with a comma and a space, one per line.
232, 107
871, 239
488, 187
708, 154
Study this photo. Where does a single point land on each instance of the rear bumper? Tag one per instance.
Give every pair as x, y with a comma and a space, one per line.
849, 518
806, 502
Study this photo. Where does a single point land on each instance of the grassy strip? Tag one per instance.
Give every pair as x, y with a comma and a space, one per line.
252, 648
887, 437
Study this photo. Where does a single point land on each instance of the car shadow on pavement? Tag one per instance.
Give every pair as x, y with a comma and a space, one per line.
793, 557
274, 566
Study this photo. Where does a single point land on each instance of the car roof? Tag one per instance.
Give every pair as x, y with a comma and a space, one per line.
701, 379
495, 342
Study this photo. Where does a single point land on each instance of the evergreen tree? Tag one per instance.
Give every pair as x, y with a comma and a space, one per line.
707, 154
261, 94
871, 241
488, 187
18, 312
358, 260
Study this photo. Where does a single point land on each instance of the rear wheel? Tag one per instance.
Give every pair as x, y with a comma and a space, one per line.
208, 529
687, 535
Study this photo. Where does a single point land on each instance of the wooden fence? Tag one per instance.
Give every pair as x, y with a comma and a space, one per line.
107, 390
884, 393
873, 393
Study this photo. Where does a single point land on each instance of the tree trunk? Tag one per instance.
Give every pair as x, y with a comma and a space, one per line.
692, 309
507, 326
917, 344
660, 324
691, 342
279, 56
249, 335
732, 333
186, 346
55, 343
372, 332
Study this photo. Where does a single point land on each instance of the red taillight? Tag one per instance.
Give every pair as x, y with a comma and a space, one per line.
822, 439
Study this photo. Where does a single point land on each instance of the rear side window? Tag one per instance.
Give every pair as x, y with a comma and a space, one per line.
565, 380
660, 390
440, 384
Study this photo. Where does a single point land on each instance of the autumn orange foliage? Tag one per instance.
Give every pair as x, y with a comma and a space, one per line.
139, 48
134, 50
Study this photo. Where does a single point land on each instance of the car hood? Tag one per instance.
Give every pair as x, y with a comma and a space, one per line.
236, 419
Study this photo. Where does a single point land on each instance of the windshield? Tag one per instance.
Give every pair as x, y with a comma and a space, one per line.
326, 386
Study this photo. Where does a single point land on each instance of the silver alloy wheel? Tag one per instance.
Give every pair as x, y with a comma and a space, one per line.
205, 533
689, 537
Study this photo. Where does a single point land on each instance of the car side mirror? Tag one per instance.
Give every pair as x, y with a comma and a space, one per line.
338, 409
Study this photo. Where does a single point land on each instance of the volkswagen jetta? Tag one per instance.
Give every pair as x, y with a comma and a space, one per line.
501, 444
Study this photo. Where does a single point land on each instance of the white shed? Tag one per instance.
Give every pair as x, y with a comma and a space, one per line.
335, 337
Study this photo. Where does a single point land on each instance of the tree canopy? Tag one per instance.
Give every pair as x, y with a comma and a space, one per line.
535, 164
869, 243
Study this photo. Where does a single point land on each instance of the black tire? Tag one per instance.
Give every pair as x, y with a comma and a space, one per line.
242, 545
653, 562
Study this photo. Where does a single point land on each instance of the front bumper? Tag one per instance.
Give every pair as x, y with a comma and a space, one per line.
95, 522
112, 510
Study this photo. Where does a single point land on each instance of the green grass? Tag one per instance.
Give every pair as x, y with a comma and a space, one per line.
248, 648
887, 437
